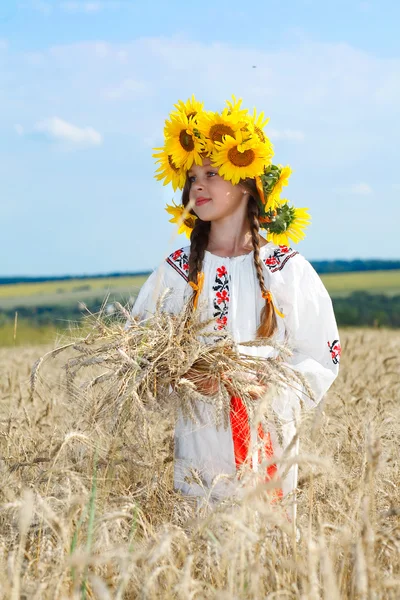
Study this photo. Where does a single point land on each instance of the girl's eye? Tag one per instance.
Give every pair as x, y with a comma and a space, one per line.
192, 178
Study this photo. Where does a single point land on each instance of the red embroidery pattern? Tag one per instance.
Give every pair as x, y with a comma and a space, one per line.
179, 261
279, 258
336, 350
221, 298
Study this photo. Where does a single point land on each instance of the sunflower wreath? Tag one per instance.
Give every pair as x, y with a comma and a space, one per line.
236, 143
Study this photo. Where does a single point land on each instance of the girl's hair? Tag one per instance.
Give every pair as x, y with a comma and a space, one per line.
199, 241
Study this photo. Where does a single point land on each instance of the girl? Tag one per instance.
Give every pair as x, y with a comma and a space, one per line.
251, 286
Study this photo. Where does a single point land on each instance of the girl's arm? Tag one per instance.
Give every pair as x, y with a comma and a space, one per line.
165, 284
311, 332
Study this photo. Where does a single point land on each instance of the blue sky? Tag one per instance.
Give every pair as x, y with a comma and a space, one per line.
85, 87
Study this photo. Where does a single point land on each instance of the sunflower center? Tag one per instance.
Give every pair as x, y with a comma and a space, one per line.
260, 134
172, 164
241, 159
189, 222
219, 130
186, 141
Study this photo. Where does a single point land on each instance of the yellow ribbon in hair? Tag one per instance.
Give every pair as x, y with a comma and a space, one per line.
268, 297
197, 287
260, 189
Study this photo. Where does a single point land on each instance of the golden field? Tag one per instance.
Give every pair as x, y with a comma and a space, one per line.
88, 514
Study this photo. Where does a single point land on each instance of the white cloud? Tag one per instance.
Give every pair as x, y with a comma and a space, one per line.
3, 44
357, 189
365, 6
43, 7
19, 129
396, 187
81, 7
320, 96
361, 189
128, 88
71, 6
34, 59
57, 129
335, 79
291, 135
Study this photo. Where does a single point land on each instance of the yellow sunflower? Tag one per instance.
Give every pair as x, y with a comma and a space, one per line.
190, 108
274, 197
181, 142
233, 109
283, 179
168, 171
214, 126
182, 218
241, 156
258, 123
273, 201
295, 231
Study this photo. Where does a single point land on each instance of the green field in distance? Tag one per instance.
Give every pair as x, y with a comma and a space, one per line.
122, 288
374, 282
50, 293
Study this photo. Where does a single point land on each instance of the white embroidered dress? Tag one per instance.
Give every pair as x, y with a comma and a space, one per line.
231, 294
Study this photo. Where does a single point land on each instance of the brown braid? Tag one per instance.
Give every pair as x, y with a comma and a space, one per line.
268, 322
198, 245
198, 240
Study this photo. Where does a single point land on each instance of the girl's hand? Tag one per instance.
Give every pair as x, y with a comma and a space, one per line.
256, 390
208, 386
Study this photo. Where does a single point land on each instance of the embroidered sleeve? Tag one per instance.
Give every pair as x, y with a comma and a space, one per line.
310, 327
278, 258
162, 279
179, 261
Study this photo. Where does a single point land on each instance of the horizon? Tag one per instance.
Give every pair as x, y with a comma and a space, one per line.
118, 273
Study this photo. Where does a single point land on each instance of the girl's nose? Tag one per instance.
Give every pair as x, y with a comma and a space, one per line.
199, 184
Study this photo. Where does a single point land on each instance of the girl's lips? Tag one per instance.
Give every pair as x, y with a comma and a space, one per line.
201, 200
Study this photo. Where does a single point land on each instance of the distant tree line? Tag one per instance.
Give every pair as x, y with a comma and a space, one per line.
58, 315
362, 308
347, 266
44, 278
358, 309
321, 266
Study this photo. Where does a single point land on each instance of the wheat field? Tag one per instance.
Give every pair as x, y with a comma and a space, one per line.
88, 514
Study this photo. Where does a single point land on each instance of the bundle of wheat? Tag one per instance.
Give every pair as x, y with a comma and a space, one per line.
145, 366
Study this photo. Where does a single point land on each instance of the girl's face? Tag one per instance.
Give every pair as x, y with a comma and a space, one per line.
211, 196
